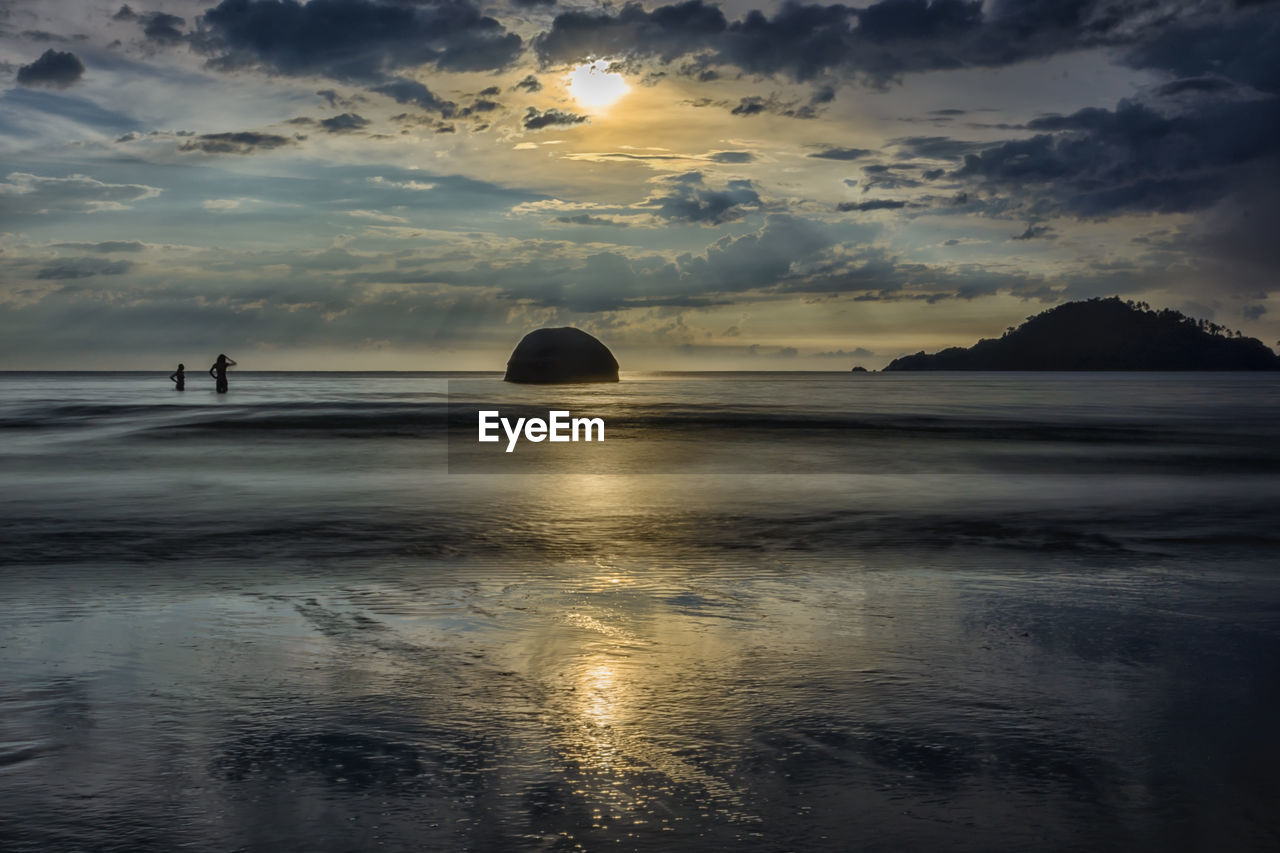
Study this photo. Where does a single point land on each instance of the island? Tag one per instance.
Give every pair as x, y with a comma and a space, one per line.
1104, 334
560, 356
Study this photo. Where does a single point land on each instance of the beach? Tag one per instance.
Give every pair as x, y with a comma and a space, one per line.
885, 612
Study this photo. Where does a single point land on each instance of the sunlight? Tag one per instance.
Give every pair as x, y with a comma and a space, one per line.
594, 86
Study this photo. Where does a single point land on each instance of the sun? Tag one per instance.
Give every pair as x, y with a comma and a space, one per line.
595, 87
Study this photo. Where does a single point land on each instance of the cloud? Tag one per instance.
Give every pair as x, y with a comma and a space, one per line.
753, 261
588, 219
857, 352
666, 33
25, 195
83, 268
732, 157
344, 123
1097, 163
937, 147
56, 69
480, 107
377, 216
536, 120
754, 105
243, 142
842, 153
1253, 312
687, 198
161, 27
355, 40
105, 247
1036, 232
1243, 46
778, 352
882, 41
873, 204
1198, 85
405, 91
528, 84
887, 176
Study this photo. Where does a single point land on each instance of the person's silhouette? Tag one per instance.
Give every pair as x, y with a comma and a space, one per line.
179, 379
219, 372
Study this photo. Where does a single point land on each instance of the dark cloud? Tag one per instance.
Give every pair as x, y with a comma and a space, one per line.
842, 153
1244, 47
532, 4
105, 247
369, 42
344, 123
1198, 85
1253, 312
873, 204
528, 84
732, 157
1097, 162
1036, 232
888, 176
481, 106
490, 92
857, 352
536, 120
57, 69
936, 147
879, 42
41, 35
757, 104
587, 219
244, 142
903, 20
125, 13
405, 91
72, 268
688, 198
160, 26
665, 33
755, 261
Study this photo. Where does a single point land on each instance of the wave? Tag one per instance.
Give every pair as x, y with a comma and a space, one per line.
398, 418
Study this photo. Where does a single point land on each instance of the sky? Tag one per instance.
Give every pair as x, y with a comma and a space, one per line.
415, 184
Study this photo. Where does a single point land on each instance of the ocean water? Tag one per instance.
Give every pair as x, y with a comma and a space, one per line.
783, 612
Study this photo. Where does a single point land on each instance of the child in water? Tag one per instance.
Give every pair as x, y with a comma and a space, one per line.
179, 379
219, 372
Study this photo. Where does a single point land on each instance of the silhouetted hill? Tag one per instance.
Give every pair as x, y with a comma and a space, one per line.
1104, 334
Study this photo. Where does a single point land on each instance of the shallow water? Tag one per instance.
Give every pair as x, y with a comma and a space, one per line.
1013, 612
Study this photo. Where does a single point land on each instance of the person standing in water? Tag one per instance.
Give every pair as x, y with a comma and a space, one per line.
179, 379
219, 372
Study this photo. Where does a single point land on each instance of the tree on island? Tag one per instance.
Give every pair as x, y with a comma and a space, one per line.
1104, 334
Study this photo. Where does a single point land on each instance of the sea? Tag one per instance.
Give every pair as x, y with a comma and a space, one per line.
769, 612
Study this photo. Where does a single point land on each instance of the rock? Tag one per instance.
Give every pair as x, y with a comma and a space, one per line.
561, 355
858, 368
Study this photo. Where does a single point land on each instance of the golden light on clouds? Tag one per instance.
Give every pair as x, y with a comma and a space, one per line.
595, 87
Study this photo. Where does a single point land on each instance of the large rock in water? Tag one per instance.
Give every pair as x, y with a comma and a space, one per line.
565, 354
